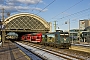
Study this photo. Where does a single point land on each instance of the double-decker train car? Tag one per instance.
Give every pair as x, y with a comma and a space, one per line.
56, 39
34, 37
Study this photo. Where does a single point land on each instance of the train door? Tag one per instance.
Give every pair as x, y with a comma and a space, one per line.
23, 37
61, 38
66, 38
39, 37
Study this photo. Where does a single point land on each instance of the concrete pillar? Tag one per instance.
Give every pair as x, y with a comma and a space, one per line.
3, 37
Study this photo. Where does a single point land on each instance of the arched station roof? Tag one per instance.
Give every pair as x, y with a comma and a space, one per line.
26, 21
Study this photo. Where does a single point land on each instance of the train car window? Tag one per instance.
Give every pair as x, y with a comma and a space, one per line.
45, 37
56, 38
62, 35
37, 37
51, 37
66, 35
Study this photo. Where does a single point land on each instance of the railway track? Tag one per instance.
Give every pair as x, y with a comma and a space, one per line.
56, 53
29, 53
59, 54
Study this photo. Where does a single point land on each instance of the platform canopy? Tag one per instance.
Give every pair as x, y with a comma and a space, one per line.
26, 22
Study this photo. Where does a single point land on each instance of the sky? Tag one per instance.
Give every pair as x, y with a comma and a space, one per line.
60, 11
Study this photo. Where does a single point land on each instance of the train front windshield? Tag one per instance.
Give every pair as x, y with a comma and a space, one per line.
64, 35
64, 38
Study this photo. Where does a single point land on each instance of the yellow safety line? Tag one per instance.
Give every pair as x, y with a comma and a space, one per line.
80, 49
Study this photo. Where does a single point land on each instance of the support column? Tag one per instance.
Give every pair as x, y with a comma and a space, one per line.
3, 37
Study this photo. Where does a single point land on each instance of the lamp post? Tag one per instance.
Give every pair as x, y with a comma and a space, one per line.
69, 32
68, 27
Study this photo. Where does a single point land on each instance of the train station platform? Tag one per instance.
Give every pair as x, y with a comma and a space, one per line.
85, 44
11, 52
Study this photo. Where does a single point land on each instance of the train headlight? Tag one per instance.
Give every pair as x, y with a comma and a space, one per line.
64, 39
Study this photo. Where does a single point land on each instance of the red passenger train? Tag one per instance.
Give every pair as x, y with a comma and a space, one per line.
34, 37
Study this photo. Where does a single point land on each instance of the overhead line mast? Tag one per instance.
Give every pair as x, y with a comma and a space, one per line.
3, 14
2, 35
55, 26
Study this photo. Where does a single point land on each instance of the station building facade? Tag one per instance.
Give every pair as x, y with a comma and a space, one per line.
83, 31
84, 24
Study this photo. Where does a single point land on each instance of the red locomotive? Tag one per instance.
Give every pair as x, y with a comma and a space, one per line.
34, 37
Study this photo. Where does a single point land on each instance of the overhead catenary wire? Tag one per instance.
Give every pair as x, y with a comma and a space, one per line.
67, 9
76, 13
46, 6
35, 6
79, 17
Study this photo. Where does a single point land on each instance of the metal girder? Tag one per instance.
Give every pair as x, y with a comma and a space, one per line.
27, 30
26, 22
